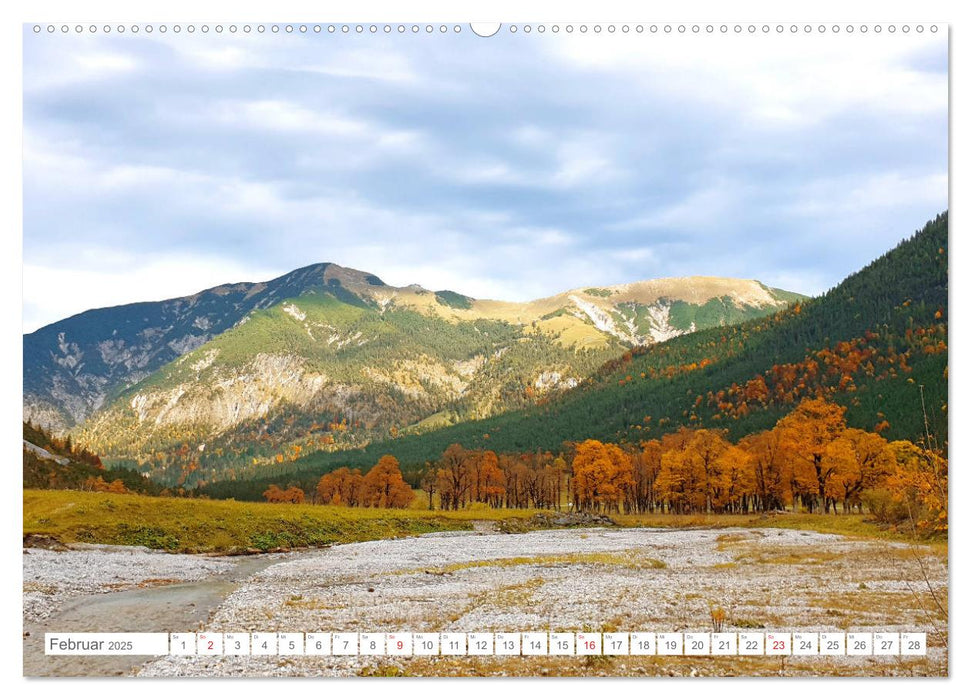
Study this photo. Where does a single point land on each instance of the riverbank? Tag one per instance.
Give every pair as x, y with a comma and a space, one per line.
231, 527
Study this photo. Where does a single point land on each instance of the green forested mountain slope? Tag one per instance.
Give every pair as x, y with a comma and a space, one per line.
870, 344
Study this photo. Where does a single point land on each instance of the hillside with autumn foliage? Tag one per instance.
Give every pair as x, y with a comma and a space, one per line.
52, 462
811, 461
875, 345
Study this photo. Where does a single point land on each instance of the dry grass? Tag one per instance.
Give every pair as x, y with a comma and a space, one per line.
515, 596
788, 556
152, 582
196, 525
726, 540
628, 558
849, 608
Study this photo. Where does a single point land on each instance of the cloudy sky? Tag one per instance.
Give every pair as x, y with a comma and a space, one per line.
510, 167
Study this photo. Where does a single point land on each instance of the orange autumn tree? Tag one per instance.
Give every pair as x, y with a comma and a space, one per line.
602, 476
859, 460
487, 482
384, 487
554, 471
99, 484
453, 477
771, 470
690, 470
806, 434
706, 447
294, 494
646, 465
918, 486
680, 484
515, 479
540, 483
733, 489
341, 487
274, 494
674, 484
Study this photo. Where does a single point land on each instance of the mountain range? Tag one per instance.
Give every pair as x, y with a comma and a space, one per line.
876, 344
326, 358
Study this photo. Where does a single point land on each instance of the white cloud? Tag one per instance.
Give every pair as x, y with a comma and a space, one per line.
217, 53
582, 165
851, 195
70, 65
486, 172
566, 162
776, 80
809, 282
100, 62
642, 254
64, 168
712, 205
362, 142
372, 64
280, 115
305, 55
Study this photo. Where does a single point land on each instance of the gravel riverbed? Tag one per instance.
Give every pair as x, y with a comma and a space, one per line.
594, 579
589, 579
53, 577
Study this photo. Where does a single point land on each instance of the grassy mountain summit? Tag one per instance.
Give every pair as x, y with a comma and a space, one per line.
327, 358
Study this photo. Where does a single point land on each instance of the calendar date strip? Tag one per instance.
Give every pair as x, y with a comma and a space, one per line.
487, 644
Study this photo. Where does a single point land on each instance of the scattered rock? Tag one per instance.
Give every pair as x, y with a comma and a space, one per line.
570, 519
43, 542
485, 526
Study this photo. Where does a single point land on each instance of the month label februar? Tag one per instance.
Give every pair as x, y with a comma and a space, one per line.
105, 644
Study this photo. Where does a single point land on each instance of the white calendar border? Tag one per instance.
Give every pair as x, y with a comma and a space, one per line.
382, 10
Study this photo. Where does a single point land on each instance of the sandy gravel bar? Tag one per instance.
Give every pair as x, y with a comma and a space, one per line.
591, 579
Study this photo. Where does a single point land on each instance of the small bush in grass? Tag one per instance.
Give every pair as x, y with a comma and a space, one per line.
718, 616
